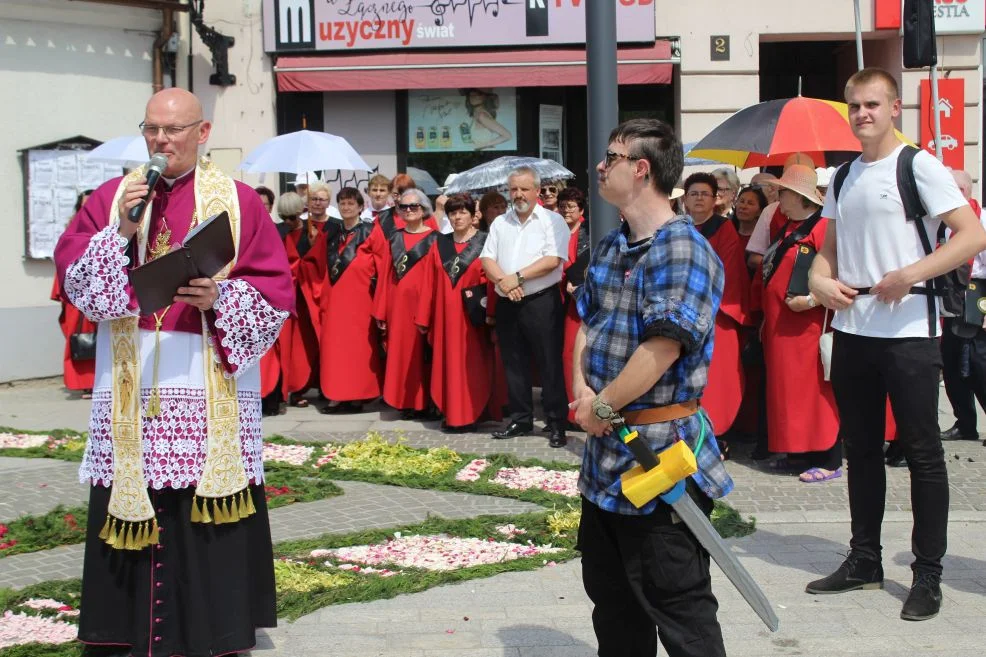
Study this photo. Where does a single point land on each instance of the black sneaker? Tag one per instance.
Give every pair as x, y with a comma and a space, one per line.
924, 600
854, 574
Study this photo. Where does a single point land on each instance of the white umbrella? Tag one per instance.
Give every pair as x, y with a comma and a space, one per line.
303, 150
493, 174
424, 181
121, 149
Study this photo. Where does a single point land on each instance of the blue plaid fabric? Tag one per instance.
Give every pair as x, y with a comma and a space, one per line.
670, 286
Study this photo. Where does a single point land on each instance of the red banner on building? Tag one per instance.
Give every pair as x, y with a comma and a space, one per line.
951, 107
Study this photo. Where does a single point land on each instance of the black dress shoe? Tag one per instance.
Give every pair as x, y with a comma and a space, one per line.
557, 438
854, 573
512, 431
955, 434
895, 456
924, 600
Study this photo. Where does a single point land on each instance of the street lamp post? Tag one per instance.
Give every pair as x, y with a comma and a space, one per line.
602, 89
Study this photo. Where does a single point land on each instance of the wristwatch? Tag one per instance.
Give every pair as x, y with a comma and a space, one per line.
602, 410
812, 302
520, 278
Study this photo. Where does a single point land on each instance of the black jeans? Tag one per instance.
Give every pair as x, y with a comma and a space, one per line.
646, 571
965, 375
865, 371
531, 329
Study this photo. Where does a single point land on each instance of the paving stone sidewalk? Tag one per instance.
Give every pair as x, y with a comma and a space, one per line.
545, 613
363, 506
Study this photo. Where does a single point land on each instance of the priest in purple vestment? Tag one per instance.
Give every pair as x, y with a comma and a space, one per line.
178, 556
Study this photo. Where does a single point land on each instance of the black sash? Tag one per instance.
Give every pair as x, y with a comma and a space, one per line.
712, 226
403, 259
775, 252
338, 262
304, 244
387, 223
576, 271
454, 263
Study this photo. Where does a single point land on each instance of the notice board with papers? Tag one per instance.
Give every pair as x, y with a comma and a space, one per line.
54, 176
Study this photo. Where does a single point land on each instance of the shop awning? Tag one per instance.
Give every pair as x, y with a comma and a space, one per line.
651, 64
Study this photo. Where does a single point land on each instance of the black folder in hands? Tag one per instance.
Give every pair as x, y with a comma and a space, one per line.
975, 303
206, 249
798, 285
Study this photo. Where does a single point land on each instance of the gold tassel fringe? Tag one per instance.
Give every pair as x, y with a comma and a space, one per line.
126, 535
224, 510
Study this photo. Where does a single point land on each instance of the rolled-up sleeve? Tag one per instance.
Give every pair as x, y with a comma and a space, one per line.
682, 291
489, 247
556, 237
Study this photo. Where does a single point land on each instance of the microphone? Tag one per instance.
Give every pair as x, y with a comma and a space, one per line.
155, 168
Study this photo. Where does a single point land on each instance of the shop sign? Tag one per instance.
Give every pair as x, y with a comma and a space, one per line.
951, 16
444, 120
951, 107
305, 25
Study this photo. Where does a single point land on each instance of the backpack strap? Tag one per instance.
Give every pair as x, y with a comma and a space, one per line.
839, 178
915, 211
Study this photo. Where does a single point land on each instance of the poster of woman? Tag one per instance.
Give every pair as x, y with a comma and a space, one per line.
467, 120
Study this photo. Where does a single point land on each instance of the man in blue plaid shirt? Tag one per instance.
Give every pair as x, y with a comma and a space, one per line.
648, 308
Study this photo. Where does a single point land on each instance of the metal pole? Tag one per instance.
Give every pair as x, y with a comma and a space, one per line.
600, 50
934, 108
859, 38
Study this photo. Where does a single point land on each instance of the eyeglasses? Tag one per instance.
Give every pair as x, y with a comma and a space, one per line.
316, 199
723, 190
407, 207
170, 131
549, 190
700, 194
612, 157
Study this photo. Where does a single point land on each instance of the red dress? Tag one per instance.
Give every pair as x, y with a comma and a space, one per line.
801, 411
396, 301
578, 244
351, 367
462, 354
724, 391
77, 374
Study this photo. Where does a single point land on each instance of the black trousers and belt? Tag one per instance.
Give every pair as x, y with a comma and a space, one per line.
647, 572
865, 371
530, 330
964, 370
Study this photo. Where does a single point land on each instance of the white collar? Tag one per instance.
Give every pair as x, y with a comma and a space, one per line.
171, 181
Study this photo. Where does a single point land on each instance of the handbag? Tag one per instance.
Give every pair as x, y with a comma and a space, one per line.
825, 348
474, 302
82, 346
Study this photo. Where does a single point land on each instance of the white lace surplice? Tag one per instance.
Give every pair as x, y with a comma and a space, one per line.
174, 442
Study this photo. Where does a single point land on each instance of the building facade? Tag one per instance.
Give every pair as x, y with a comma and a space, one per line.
404, 87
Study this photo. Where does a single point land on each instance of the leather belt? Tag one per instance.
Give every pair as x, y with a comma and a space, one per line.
660, 414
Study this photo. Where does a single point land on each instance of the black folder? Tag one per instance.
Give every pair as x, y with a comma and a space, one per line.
975, 305
206, 249
798, 285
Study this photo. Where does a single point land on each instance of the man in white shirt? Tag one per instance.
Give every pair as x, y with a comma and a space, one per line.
523, 256
963, 349
872, 270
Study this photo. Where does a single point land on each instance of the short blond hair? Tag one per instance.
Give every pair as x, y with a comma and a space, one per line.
872, 74
320, 187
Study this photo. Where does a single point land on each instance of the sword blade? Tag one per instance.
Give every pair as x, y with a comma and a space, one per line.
706, 534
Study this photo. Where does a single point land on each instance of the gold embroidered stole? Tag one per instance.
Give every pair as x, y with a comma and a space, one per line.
131, 523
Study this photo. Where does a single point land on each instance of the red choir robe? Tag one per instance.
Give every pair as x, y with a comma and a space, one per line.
578, 245
396, 302
77, 374
724, 391
299, 349
351, 366
801, 410
462, 354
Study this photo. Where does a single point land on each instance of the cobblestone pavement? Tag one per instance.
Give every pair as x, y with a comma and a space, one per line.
35, 486
546, 613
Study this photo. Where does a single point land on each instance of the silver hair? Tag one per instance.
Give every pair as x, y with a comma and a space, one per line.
290, 204
729, 175
525, 171
319, 186
422, 198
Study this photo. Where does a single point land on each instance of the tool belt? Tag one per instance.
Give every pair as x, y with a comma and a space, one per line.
660, 414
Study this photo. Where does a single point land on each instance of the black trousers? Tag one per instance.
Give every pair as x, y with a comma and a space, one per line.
964, 361
865, 371
646, 571
532, 329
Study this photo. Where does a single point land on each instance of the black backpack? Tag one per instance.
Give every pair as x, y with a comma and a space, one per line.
950, 286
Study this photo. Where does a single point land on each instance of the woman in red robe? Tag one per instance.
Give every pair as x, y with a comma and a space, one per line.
571, 205
351, 367
451, 309
395, 304
77, 374
801, 409
724, 391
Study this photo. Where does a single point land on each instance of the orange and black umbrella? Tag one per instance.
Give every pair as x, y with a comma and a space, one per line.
767, 133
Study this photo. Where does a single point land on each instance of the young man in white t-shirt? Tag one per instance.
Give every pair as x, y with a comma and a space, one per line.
866, 271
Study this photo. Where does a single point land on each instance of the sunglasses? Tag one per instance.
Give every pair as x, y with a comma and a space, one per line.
612, 157
549, 190
407, 207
